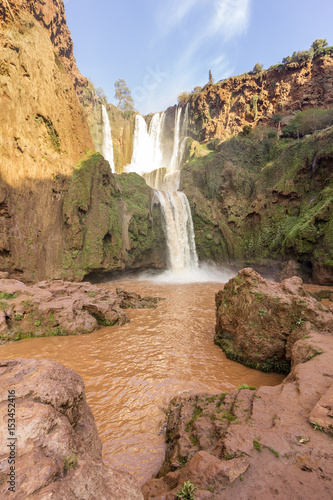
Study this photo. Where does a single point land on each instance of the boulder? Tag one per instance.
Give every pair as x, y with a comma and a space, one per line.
57, 451
257, 322
273, 440
55, 308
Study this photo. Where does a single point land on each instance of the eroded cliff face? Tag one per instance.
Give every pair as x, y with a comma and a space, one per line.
50, 14
222, 109
44, 136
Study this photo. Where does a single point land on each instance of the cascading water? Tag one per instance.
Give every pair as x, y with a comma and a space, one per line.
107, 147
163, 175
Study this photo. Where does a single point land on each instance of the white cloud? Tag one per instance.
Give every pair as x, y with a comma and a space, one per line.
230, 18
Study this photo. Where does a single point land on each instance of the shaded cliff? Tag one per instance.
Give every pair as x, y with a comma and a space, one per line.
44, 135
255, 201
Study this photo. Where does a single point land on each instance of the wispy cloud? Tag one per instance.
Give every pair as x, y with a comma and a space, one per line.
213, 23
173, 14
230, 19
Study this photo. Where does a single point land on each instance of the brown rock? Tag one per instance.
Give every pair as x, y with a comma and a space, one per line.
58, 451
56, 308
132, 300
322, 275
258, 322
322, 413
290, 269
262, 443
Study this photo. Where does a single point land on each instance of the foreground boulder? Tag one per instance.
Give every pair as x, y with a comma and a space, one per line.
57, 453
258, 322
274, 442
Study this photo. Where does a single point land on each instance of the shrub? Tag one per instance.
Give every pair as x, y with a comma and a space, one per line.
307, 122
183, 98
186, 493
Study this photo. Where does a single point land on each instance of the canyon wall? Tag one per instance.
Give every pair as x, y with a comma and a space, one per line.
44, 136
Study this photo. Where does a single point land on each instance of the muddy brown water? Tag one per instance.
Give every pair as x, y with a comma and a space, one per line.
131, 372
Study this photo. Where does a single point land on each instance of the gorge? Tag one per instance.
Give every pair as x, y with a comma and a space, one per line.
184, 206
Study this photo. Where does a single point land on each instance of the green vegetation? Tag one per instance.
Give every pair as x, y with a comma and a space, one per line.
197, 412
318, 48
258, 68
307, 122
254, 103
257, 224
187, 491
71, 462
316, 426
8, 296
183, 98
245, 386
256, 444
123, 96
276, 453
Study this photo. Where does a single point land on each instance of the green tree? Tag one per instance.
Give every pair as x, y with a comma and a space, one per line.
183, 98
319, 43
123, 96
258, 68
210, 78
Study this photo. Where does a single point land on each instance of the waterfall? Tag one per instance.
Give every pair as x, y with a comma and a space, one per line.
164, 176
179, 230
107, 147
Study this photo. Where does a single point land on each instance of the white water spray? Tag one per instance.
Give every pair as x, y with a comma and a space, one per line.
164, 177
107, 147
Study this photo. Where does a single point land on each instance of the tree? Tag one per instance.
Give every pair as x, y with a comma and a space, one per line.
319, 43
183, 98
123, 96
210, 78
258, 68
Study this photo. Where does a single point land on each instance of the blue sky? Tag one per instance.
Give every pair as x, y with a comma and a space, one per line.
164, 47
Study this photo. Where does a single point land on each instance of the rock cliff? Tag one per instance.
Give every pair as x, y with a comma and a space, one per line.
257, 200
58, 453
222, 109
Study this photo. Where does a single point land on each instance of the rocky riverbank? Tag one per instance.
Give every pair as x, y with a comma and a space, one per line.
272, 440
58, 453
62, 308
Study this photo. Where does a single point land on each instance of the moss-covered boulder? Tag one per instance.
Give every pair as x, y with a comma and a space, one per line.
257, 322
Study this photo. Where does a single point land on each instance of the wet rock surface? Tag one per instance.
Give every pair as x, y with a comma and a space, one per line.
257, 322
132, 300
58, 451
61, 308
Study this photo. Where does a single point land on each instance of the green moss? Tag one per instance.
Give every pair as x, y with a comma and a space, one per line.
8, 296
197, 412
269, 365
256, 444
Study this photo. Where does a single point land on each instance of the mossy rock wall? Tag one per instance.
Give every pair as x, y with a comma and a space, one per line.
254, 201
109, 221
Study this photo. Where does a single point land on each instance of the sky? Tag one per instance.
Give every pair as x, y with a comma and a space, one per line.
164, 47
